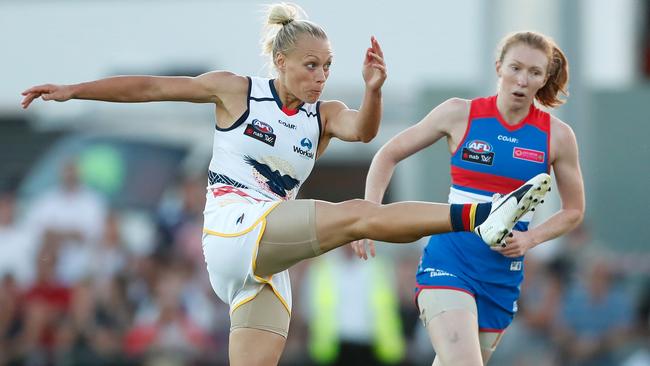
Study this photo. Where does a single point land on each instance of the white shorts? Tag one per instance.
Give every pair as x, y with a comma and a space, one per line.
232, 229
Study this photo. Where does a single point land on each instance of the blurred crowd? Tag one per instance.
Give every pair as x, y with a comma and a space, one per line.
74, 291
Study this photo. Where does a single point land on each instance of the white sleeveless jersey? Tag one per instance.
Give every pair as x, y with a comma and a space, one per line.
262, 159
266, 153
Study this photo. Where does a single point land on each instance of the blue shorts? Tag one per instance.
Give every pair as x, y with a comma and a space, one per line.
455, 261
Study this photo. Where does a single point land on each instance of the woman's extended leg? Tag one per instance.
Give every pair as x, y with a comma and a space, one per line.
403, 222
301, 229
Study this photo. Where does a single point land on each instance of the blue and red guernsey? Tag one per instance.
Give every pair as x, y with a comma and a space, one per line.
494, 157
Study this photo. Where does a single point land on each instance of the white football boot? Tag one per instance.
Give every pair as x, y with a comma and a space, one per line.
508, 209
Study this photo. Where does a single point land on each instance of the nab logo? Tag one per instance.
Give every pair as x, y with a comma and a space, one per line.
478, 146
306, 143
305, 148
262, 127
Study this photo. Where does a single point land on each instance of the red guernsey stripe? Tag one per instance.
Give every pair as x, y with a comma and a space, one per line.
465, 216
483, 181
289, 112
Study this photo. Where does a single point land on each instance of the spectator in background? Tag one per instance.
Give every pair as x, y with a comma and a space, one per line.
84, 337
42, 306
595, 318
180, 220
165, 331
111, 252
366, 331
72, 218
17, 244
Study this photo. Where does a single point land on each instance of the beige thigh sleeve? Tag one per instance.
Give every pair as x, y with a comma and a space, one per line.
289, 237
433, 302
264, 312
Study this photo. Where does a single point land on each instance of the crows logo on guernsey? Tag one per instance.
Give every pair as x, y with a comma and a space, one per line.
275, 180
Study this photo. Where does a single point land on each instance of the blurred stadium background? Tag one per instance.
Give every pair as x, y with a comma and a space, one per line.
115, 274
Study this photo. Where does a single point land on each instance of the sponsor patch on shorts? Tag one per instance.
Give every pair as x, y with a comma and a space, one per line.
434, 272
516, 265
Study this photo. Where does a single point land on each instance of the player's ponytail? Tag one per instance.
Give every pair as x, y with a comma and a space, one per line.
285, 23
556, 82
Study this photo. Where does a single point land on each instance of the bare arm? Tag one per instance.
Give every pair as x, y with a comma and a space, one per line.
435, 125
362, 125
353, 125
570, 186
207, 88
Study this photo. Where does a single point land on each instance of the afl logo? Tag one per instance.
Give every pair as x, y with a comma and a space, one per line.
479, 146
261, 126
